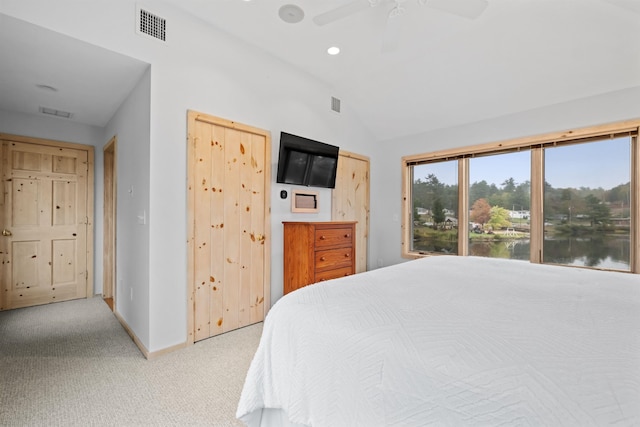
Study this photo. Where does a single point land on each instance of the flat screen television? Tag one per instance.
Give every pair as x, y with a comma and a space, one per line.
303, 161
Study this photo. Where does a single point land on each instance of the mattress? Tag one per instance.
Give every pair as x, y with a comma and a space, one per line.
451, 340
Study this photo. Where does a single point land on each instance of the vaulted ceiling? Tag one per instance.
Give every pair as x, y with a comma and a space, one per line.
426, 69
446, 69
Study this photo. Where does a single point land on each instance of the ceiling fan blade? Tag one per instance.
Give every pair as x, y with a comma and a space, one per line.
341, 12
466, 8
391, 35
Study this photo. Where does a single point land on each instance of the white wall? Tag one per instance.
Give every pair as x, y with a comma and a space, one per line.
130, 125
238, 83
57, 129
207, 71
386, 161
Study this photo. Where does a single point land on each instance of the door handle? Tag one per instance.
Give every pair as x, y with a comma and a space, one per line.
6, 232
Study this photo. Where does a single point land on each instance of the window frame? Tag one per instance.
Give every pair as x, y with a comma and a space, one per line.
536, 144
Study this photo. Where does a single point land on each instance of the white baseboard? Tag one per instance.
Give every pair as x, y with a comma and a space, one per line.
146, 353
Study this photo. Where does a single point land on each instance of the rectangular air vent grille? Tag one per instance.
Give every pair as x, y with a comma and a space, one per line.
152, 25
335, 104
54, 112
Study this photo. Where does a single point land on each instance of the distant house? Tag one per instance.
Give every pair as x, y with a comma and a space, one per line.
621, 222
519, 214
450, 222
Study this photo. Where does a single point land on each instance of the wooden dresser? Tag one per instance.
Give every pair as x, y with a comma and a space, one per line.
317, 251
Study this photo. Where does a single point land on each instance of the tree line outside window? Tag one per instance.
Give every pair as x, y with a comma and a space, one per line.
582, 210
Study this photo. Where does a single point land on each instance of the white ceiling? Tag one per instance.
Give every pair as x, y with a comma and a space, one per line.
91, 82
446, 70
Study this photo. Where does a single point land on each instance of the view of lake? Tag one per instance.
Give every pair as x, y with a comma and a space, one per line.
611, 252
586, 216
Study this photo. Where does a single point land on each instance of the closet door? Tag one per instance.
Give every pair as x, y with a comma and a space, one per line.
350, 200
229, 176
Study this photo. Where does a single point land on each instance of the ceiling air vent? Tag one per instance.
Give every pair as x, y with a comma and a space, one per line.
335, 104
54, 112
151, 25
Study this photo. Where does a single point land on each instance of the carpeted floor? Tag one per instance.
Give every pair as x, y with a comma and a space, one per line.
72, 364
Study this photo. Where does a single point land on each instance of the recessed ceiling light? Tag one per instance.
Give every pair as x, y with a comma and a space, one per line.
333, 50
291, 13
47, 87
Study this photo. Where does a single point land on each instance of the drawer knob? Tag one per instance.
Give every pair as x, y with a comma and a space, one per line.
322, 238
346, 236
322, 258
347, 255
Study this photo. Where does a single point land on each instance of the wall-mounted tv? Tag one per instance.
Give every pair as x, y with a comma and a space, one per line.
303, 161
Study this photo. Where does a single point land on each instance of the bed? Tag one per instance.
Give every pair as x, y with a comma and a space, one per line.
451, 340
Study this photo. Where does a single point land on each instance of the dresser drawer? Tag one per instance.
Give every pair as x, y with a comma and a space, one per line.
326, 237
333, 274
332, 258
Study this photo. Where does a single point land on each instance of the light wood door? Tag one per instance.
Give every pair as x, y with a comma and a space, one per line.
229, 175
109, 221
45, 218
350, 200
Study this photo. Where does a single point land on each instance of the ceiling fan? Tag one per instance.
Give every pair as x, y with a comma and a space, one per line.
470, 9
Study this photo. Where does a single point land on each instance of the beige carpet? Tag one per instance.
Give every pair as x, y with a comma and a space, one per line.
72, 364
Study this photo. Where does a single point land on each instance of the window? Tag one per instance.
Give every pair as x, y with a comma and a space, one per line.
500, 205
587, 198
566, 198
435, 208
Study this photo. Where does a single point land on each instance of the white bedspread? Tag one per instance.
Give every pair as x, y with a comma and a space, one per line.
451, 341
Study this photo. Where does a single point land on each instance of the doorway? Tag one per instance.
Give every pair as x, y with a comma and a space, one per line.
110, 199
46, 244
